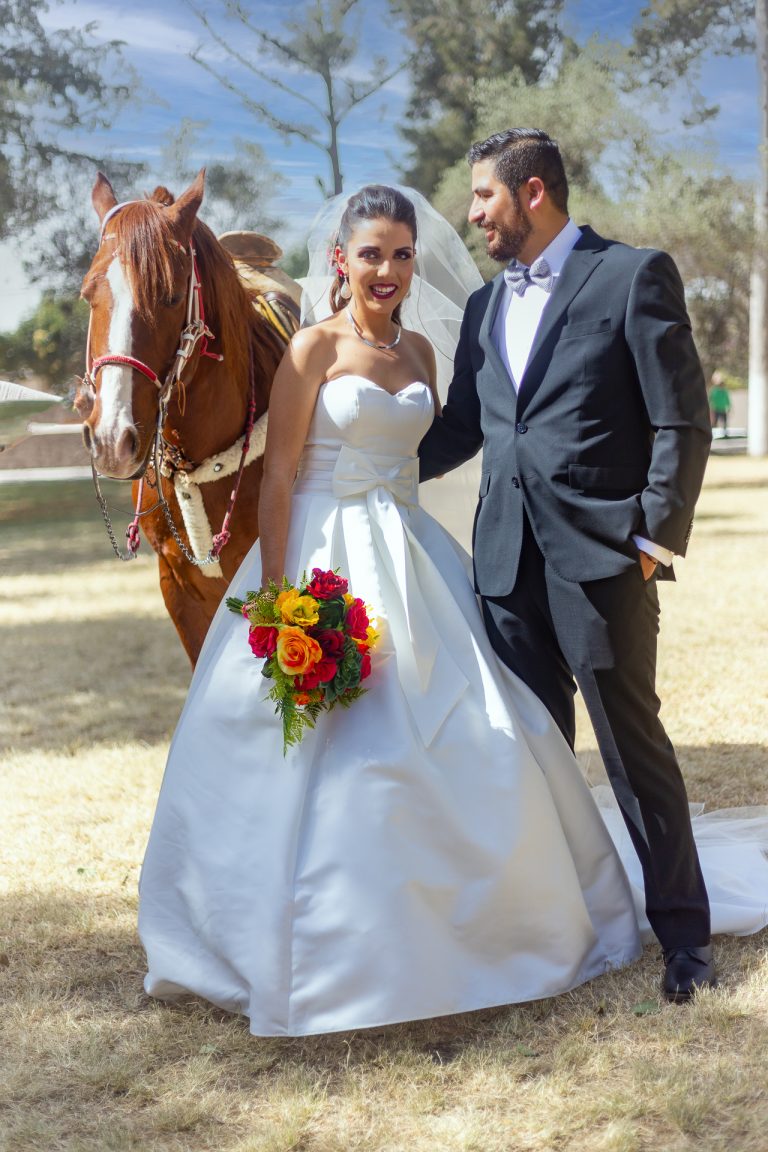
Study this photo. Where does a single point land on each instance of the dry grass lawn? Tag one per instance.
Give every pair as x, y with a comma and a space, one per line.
92, 682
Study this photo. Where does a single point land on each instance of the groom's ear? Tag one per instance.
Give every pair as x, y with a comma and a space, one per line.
534, 192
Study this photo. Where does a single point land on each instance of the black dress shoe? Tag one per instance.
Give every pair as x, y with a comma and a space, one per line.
686, 970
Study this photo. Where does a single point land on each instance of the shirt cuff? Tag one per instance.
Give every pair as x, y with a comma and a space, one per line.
656, 551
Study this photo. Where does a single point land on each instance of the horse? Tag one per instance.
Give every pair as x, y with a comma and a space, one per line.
179, 367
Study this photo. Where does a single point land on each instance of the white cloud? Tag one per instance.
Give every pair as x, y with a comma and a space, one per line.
146, 30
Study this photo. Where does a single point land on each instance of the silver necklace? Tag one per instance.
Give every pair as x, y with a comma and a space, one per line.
372, 343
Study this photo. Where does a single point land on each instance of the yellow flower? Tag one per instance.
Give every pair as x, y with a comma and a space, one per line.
296, 652
348, 598
295, 609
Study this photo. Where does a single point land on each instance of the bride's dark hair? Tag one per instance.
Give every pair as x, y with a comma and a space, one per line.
374, 202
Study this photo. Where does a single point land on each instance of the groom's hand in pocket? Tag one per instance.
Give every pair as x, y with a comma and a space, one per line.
648, 565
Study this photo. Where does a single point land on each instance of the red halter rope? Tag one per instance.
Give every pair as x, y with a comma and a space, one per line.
195, 332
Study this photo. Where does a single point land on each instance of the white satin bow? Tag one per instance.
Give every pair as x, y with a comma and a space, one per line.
358, 472
431, 680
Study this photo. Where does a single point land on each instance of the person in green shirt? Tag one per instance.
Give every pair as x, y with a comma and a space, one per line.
719, 401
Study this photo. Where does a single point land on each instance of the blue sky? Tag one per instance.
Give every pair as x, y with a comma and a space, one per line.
158, 39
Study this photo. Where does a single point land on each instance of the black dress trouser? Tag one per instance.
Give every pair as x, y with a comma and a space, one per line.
603, 634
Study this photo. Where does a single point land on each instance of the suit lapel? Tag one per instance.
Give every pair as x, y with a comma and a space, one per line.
486, 331
581, 263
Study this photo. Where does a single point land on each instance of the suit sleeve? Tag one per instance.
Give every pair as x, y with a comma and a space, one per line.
455, 435
671, 380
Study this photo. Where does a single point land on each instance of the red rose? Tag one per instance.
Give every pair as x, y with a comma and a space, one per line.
357, 620
321, 673
326, 585
331, 640
263, 640
365, 666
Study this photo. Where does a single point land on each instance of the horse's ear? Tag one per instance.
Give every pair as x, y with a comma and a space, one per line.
184, 211
103, 195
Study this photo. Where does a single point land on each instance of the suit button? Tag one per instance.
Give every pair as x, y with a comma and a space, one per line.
521, 428
515, 482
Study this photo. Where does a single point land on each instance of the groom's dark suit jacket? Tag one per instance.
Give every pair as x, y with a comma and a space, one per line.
609, 434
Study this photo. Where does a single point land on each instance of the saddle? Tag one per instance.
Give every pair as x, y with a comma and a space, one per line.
276, 296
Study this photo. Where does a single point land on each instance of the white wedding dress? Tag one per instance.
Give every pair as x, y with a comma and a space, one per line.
432, 849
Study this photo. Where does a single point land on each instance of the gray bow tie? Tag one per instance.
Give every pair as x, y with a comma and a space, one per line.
519, 277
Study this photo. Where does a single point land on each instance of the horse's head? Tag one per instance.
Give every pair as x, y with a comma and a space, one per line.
137, 287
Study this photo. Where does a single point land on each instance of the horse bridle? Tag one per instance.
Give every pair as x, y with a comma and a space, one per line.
194, 333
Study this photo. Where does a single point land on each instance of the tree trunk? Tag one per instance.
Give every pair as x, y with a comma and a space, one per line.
333, 142
757, 417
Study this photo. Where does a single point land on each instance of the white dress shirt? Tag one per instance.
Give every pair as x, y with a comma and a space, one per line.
517, 322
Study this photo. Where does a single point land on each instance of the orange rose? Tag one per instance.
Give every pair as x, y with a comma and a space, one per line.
296, 651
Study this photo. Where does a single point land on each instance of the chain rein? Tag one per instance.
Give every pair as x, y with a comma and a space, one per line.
195, 332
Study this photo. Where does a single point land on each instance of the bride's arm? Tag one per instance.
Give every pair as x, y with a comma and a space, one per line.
291, 404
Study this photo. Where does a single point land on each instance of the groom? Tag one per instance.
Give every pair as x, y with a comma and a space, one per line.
577, 374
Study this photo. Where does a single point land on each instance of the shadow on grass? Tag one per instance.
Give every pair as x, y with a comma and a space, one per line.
88, 1052
70, 946
66, 684
725, 775
716, 775
59, 501
58, 524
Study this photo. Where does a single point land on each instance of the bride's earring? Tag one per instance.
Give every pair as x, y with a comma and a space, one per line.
345, 291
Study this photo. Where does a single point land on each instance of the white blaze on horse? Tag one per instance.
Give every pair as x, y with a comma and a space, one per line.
179, 366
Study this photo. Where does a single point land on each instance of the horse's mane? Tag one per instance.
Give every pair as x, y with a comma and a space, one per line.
147, 250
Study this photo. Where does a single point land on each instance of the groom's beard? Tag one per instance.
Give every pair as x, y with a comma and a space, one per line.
510, 238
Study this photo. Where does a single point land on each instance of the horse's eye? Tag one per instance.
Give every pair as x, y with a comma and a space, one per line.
174, 301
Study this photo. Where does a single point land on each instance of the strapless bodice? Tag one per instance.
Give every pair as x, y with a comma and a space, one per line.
359, 425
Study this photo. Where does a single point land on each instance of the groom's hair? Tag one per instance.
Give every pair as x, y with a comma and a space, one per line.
521, 153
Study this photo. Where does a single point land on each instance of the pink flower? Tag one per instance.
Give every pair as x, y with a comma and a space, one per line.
263, 640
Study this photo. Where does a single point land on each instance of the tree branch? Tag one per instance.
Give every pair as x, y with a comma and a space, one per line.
305, 132
356, 95
243, 60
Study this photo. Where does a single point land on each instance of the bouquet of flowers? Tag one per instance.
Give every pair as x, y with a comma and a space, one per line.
316, 641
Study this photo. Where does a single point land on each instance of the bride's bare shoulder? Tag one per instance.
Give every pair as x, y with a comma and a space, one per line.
318, 341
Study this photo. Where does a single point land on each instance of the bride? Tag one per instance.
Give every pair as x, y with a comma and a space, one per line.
431, 850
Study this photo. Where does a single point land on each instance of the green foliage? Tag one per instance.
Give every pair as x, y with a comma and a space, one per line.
295, 262
456, 44
628, 184
50, 344
50, 86
670, 36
